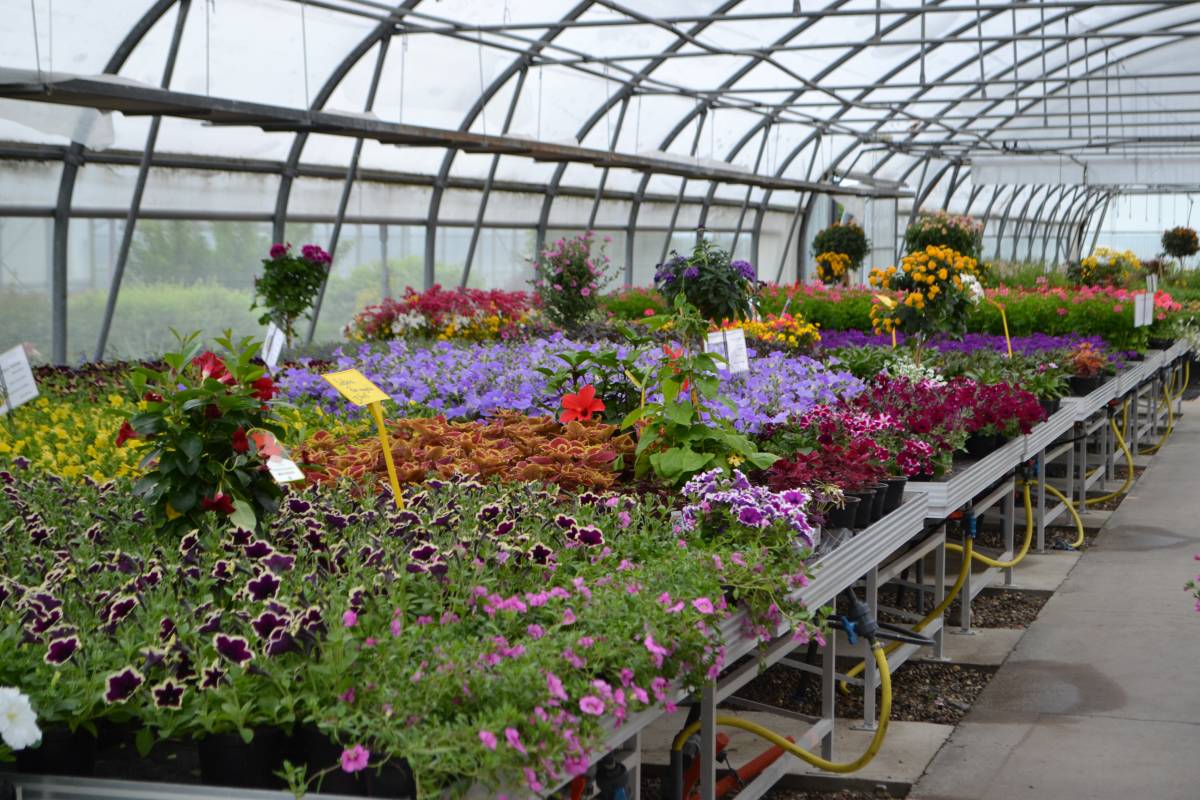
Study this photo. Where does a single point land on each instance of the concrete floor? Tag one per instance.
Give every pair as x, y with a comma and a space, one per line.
1101, 698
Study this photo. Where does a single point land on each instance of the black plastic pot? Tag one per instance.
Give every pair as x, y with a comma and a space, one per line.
1135, 356
1051, 407
394, 779
880, 498
1161, 343
843, 517
1081, 386
321, 752
981, 446
862, 516
895, 493
60, 753
226, 760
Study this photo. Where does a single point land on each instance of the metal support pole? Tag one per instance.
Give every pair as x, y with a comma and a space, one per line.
828, 693
682, 189
708, 742
1041, 501
139, 190
939, 594
870, 674
347, 186
964, 597
1010, 518
386, 287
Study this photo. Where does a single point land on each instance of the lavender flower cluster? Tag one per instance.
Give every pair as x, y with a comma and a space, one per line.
752, 506
478, 379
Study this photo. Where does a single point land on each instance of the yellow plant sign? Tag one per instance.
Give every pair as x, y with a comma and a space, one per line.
359, 390
356, 387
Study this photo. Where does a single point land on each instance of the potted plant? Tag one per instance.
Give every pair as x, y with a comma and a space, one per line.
1088, 369
1104, 267
1180, 242
568, 279
839, 249
711, 280
289, 285
1049, 383
958, 232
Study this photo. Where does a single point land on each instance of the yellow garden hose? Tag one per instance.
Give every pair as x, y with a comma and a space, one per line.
1170, 401
1070, 507
885, 714
1128, 474
1020, 556
938, 610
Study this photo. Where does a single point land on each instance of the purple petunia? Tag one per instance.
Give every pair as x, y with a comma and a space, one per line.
120, 685
233, 648
263, 586
60, 650
168, 694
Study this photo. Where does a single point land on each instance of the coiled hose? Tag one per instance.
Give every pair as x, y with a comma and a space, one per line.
885, 715
1020, 556
1170, 401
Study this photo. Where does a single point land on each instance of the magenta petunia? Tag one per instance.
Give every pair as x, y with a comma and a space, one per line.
513, 737
488, 738
591, 705
703, 605
350, 618
355, 759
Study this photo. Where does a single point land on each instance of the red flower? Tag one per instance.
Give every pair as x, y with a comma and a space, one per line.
264, 388
211, 366
152, 397
265, 444
212, 411
126, 433
240, 443
582, 405
220, 502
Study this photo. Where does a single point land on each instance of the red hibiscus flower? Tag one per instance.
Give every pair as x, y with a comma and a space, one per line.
152, 397
581, 405
266, 444
264, 388
211, 366
126, 433
220, 502
240, 443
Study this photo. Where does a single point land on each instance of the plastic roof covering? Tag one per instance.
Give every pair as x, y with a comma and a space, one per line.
857, 92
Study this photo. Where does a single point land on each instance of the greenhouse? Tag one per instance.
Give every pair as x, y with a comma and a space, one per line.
684, 400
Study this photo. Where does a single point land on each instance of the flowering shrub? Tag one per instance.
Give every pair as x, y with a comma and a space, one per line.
998, 409
1180, 242
509, 447
289, 284
1104, 267
783, 332
472, 314
958, 232
718, 286
209, 428
926, 411
845, 239
833, 268
568, 279
485, 636
936, 286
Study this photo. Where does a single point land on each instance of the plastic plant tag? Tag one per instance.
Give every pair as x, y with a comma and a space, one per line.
356, 387
284, 470
1152, 284
731, 344
1143, 310
272, 346
17, 384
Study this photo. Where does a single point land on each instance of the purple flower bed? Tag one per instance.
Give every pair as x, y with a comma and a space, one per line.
1022, 345
473, 380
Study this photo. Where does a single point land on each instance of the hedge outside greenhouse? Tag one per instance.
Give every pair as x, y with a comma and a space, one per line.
537, 400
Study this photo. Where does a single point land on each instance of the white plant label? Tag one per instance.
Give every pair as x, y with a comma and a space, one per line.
731, 345
17, 384
284, 470
272, 346
1152, 284
1143, 310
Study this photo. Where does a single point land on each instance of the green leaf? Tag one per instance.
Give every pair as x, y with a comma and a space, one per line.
183, 498
191, 447
144, 740
243, 517
762, 460
679, 413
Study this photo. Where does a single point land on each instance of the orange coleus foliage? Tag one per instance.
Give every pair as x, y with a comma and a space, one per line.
508, 447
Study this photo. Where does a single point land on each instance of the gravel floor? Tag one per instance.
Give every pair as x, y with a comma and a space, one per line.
922, 692
993, 608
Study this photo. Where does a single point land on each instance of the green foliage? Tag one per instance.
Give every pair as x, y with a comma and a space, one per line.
848, 239
835, 310
206, 420
619, 380
678, 436
1180, 242
632, 304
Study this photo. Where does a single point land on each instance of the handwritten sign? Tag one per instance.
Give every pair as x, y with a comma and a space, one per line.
272, 346
17, 384
284, 470
732, 345
356, 387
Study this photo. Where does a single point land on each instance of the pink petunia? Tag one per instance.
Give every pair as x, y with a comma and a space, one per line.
513, 736
703, 605
555, 686
350, 618
354, 759
591, 705
488, 738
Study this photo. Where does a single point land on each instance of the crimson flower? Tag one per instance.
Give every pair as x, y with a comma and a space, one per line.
264, 388
220, 502
126, 433
239, 441
211, 366
152, 397
582, 405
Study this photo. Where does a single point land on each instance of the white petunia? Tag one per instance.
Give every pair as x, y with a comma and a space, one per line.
18, 722
974, 288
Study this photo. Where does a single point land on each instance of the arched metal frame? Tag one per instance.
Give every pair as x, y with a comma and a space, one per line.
1068, 211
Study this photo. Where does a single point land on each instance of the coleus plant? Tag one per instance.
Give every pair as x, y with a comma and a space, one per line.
208, 426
